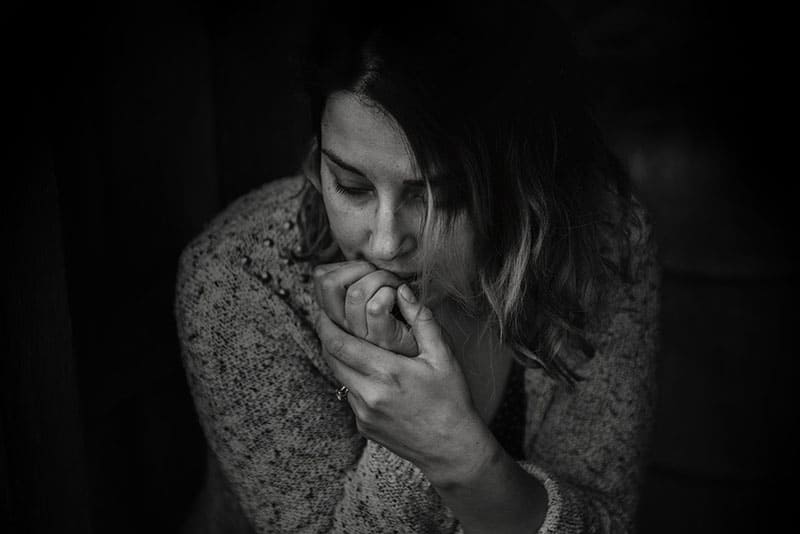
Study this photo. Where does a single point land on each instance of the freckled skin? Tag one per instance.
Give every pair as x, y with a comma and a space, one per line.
381, 226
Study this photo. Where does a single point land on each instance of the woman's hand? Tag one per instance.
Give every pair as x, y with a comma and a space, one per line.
419, 408
360, 298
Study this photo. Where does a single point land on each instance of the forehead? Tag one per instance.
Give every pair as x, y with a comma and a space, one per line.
362, 134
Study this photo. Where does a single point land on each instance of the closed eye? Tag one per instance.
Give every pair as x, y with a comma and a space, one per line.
351, 191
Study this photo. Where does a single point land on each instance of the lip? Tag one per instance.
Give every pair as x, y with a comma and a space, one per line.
406, 276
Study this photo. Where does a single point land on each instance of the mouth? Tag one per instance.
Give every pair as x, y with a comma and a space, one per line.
411, 280
407, 277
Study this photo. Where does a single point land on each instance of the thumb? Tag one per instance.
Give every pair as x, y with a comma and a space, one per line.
424, 326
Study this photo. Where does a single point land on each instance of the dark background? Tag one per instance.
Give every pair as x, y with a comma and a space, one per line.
133, 124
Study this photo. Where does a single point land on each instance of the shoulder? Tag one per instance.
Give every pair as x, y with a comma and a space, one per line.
264, 210
640, 272
245, 257
625, 324
641, 239
627, 250
626, 233
261, 220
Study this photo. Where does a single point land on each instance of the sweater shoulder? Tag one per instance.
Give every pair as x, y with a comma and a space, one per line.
624, 331
246, 254
268, 209
258, 225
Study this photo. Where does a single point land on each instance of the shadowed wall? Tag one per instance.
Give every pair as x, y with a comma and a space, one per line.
142, 121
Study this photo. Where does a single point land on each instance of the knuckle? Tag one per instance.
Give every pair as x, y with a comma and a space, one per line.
336, 347
387, 294
373, 401
368, 401
390, 380
396, 381
318, 272
355, 293
375, 308
327, 283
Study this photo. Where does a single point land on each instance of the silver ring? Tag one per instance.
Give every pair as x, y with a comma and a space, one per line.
341, 393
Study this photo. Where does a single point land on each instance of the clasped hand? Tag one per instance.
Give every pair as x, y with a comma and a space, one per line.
407, 390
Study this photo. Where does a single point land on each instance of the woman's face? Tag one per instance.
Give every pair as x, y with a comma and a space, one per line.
374, 199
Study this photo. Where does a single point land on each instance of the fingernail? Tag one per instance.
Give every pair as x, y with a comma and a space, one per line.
407, 294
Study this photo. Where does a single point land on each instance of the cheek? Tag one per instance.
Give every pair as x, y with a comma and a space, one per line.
346, 225
455, 263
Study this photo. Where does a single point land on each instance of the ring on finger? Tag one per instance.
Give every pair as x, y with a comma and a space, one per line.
341, 393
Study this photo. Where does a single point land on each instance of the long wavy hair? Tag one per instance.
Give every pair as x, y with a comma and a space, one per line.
493, 106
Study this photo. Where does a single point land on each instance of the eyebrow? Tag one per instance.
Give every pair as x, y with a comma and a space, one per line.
355, 170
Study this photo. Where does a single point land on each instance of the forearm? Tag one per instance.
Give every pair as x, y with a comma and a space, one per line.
490, 492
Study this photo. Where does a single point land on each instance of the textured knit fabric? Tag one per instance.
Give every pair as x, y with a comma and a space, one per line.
290, 451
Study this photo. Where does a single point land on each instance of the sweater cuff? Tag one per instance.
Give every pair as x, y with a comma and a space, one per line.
561, 516
557, 519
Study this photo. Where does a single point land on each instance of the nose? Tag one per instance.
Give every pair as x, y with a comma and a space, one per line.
391, 236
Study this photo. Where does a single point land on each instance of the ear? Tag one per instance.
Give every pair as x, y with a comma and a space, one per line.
313, 179
311, 165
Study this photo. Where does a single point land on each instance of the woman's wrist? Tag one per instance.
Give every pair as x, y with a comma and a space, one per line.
487, 490
475, 450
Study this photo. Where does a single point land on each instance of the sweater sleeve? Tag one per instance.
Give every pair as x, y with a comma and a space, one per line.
269, 413
587, 446
290, 451
590, 445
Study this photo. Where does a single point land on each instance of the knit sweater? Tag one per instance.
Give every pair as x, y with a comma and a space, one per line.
291, 452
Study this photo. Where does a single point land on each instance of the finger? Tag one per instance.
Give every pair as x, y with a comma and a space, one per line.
357, 404
331, 282
356, 353
344, 374
328, 267
361, 292
379, 309
321, 271
424, 326
355, 382
383, 329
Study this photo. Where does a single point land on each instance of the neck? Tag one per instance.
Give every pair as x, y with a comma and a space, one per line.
474, 344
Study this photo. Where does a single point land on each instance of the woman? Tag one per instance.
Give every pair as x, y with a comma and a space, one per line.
447, 323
